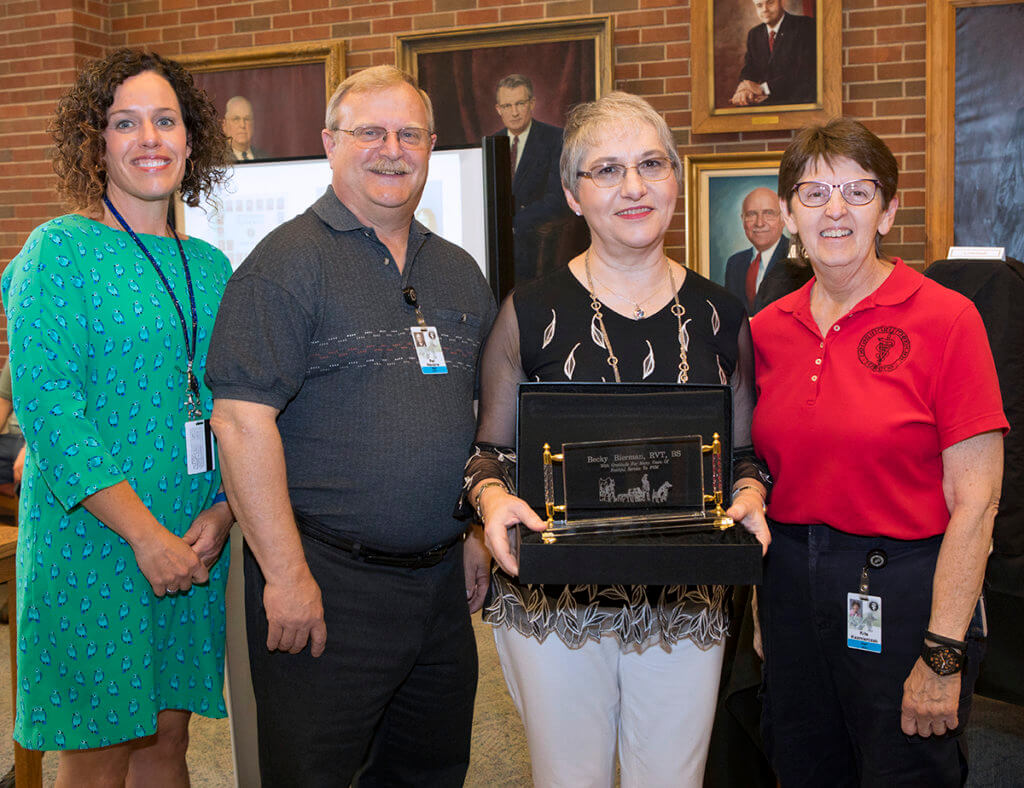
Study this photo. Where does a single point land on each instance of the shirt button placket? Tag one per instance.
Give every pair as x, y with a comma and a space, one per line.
817, 368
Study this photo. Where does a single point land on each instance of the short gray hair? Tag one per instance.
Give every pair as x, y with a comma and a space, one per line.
589, 123
368, 81
513, 81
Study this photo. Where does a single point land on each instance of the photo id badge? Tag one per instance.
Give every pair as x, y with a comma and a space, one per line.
428, 349
200, 456
864, 622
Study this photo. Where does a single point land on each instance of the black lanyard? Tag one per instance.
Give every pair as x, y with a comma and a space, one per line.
190, 349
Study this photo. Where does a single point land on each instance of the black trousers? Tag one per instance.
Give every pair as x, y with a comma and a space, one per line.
831, 714
390, 699
10, 445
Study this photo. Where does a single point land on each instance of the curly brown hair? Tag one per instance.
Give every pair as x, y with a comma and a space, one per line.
77, 128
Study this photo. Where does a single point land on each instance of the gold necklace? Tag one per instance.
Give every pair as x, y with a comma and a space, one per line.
677, 309
638, 306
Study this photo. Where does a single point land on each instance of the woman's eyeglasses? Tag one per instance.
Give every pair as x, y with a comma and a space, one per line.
814, 194
608, 175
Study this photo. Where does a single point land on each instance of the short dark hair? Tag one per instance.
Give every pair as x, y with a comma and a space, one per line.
81, 116
840, 138
513, 81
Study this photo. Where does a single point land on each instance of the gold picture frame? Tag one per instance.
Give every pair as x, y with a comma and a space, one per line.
940, 123
716, 184
460, 67
287, 85
330, 53
708, 114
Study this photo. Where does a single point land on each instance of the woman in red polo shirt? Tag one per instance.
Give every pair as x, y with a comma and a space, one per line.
880, 418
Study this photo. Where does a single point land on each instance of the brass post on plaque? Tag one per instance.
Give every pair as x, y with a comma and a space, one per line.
717, 495
549, 490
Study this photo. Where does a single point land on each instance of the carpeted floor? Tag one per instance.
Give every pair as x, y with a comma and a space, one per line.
499, 757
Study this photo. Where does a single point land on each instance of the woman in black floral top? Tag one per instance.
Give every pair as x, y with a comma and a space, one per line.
628, 668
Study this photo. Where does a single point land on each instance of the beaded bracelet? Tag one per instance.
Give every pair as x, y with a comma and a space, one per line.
738, 490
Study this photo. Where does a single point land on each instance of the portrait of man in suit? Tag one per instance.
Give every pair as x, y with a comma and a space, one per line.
780, 64
239, 121
762, 273
545, 232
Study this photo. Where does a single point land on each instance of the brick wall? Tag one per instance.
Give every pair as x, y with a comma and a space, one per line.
43, 41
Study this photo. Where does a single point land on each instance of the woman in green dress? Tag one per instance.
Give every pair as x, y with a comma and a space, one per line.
121, 567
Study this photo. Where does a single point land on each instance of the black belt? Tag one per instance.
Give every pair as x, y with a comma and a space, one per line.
432, 557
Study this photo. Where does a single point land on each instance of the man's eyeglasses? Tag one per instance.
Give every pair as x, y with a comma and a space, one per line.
410, 138
766, 215
609, 175
519, 105
814, 194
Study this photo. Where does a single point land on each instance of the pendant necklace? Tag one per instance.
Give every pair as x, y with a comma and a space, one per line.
677, 309
638, 306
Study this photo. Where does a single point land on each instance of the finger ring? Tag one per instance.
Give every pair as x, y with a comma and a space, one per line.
171, 590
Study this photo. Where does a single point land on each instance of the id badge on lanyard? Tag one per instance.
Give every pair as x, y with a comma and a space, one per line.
425, 339
200, 450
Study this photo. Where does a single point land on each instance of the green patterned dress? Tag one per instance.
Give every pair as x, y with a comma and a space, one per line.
98, 361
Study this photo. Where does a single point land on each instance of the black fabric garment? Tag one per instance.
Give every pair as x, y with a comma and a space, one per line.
997, 290
546, 233
546, 331
789, 67
831, 713
391, 697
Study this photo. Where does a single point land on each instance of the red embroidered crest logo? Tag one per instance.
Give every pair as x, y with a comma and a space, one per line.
884, 348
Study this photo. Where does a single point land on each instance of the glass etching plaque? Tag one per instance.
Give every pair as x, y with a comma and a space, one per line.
626, 475
635, 485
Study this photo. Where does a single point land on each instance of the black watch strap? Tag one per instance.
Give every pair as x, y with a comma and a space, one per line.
942, 640
944, 659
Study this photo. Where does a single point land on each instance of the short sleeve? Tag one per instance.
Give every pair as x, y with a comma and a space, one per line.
967, 397
47, 319
260, 342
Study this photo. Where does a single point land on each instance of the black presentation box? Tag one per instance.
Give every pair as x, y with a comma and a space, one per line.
584, 413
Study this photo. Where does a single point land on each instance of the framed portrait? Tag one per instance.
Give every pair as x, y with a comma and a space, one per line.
717, 185
272, 99
974, 127
774, 65
568, 61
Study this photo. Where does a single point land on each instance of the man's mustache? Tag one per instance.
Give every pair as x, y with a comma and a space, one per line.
387, 167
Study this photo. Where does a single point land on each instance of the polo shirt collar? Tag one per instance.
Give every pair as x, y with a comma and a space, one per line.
337, 216
901, 283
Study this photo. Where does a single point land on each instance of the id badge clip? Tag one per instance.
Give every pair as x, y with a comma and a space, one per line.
864, 611
425, 339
